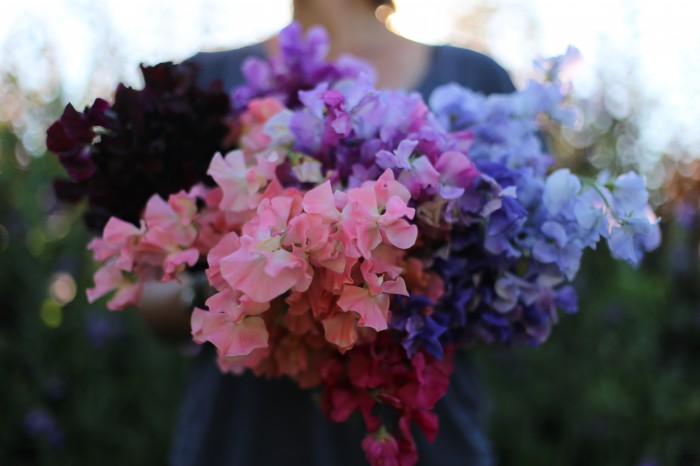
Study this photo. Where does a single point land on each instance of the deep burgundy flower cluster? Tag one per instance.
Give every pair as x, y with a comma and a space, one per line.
381, 374
157, 140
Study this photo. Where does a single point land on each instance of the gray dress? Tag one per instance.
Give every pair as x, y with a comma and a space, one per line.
247, 421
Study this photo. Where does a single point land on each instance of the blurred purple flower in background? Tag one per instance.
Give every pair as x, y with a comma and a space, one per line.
39, 422
101, 328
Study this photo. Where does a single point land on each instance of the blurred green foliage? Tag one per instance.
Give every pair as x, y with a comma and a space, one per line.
79, 385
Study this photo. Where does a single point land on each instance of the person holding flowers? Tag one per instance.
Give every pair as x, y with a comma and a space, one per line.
352, 238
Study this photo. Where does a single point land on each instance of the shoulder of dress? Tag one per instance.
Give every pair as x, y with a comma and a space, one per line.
225, 64
478, 70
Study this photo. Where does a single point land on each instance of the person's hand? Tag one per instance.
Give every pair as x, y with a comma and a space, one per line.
166, 308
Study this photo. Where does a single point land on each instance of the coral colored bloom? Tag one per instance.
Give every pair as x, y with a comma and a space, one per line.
341, 330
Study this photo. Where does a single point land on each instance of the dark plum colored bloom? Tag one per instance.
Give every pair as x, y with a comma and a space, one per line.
157, 140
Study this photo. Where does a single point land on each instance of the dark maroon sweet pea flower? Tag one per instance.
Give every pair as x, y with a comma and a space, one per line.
157, 140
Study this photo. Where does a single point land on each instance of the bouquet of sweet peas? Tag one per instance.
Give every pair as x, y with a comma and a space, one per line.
355, 238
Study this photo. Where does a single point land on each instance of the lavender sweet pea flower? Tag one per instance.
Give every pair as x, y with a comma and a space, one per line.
593, 216
560, 191
629, 193
559, 249
632, 238
457, 108
400, 158
421, 177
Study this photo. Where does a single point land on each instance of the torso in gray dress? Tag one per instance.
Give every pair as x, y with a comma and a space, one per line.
248, 421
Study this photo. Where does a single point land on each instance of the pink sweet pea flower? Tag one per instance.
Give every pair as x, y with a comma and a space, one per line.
175, 262
168, 227
228, 245
381, 449
109, 278
253, 137
261, 268
320, 200
230, 338
239, 183
375, 211
371, 302
232, 324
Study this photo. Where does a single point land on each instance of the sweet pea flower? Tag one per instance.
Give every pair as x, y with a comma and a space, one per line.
374, 213
457, 173
254, 137
232, 324
239, 183
261, 268
110, 278
371, 303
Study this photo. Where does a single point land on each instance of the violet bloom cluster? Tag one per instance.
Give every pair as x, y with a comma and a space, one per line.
300, 65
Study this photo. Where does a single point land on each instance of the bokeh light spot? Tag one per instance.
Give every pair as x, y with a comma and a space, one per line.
58, 225
51, 313
62, 288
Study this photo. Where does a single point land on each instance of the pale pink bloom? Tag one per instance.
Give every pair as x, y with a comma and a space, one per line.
239, 184
101, 249
386, 186
118, 231
110, 278
119, 239
168, 228
232, 324
321, 201
175, 262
